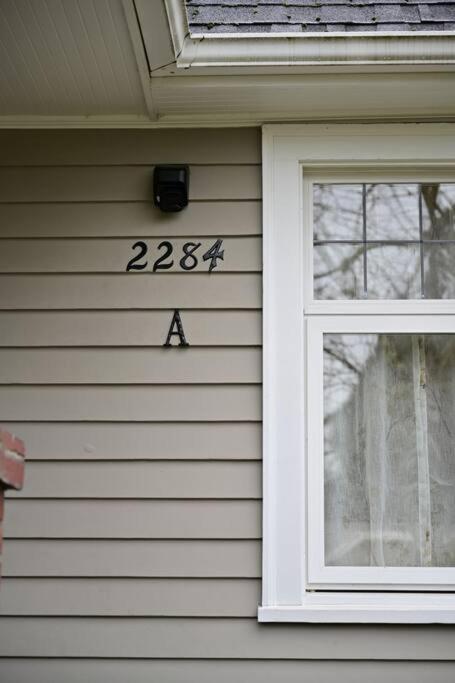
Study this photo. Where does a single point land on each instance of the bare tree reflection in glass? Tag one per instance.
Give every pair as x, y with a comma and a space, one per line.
384, 241
389, 400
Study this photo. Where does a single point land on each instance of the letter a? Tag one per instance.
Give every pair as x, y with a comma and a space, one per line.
176, 329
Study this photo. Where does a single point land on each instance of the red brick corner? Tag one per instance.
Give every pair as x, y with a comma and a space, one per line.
12, 454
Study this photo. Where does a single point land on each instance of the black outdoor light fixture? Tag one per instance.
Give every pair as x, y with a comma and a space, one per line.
170, 187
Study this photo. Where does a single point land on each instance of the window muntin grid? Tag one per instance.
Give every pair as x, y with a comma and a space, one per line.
384, 240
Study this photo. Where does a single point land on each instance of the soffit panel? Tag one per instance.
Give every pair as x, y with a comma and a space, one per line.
305, 97
73, 57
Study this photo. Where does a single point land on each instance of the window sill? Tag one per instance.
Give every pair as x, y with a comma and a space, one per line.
364, 608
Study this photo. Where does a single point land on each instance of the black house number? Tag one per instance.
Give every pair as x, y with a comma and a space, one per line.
187, 260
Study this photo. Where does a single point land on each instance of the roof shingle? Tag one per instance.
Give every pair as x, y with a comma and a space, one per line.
275, 16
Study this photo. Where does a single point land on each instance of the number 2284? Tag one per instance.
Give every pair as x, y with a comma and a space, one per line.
187, 260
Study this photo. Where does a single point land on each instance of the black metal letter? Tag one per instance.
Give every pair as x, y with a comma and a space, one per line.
178, 331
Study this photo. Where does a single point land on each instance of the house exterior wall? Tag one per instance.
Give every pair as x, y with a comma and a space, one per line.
134, 550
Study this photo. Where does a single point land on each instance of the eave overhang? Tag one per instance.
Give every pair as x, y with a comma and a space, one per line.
178, 79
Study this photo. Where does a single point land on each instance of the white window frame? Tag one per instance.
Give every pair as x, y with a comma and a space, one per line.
291, 154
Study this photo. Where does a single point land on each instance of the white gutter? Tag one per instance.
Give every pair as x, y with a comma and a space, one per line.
291, 49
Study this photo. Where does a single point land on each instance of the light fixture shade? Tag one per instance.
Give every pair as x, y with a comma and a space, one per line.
170, 187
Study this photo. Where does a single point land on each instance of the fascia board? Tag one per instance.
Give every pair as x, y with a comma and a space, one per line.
288, 49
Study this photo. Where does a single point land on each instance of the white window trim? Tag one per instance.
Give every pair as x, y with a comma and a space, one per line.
289, 151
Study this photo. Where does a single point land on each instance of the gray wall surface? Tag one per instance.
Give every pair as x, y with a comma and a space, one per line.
133, 552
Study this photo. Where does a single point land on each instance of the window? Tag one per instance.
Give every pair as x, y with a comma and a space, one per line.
359, 373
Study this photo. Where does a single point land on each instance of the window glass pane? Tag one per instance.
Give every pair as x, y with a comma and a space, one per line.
338, 271
439, 262
389, 457
392, 212
393, 271
337, 212
438, 211
374, 241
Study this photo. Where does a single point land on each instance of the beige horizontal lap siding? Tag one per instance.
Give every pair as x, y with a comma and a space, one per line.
143, 484
139, 291
132, 558
114, 147
171, 597
133, 519
140, 440
112, 255
222, 671
108, 219
166, 403
127, 328
123, 183
130, 366
149, 480
218, 638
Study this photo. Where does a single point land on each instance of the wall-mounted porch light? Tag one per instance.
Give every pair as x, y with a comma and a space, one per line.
170, 187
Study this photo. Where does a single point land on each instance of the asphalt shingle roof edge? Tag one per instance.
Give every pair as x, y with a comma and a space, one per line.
265, 17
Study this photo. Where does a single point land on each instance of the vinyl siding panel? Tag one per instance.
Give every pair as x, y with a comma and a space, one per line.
108, 219
222, 671
218, 638
113, 147
130, 403
133, 519
206, 597
142, 480
140, 440
140, 291
134, 550
123, 183
130, 366
127, 328
132, 558
67, 255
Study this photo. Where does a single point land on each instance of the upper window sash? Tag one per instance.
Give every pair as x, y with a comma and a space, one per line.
372, 253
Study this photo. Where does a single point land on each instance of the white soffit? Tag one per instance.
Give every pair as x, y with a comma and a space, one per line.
68, 58
303, 97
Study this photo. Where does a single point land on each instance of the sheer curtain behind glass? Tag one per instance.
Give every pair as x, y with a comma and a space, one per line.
389, 450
